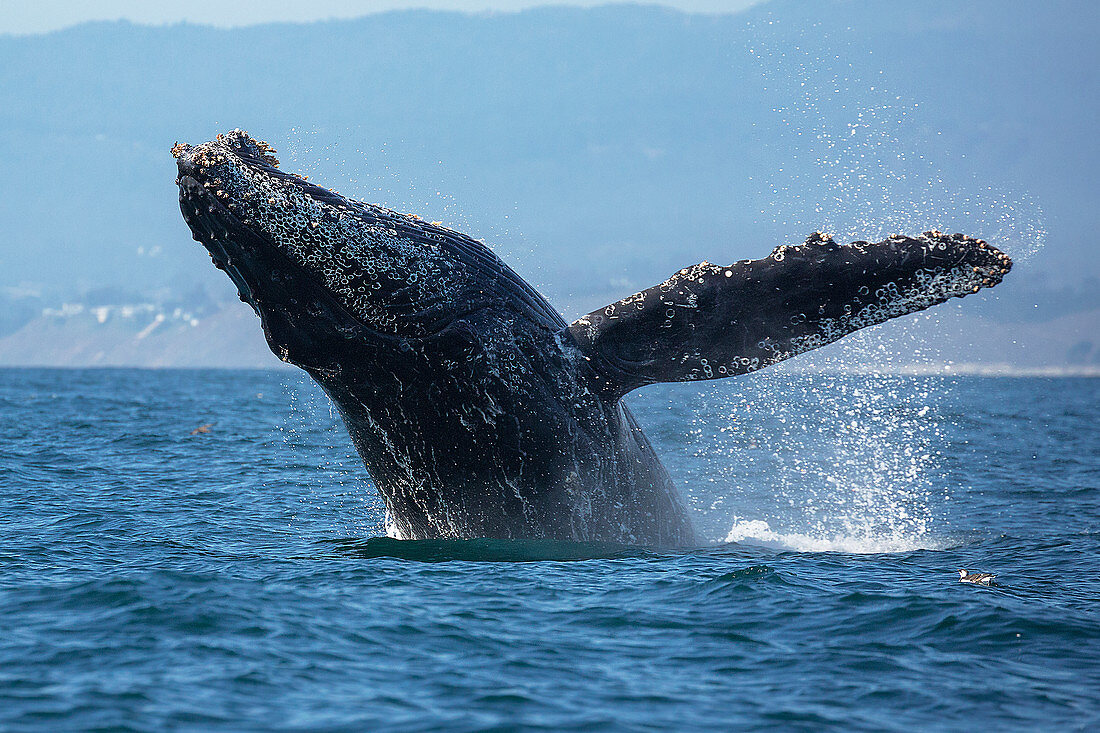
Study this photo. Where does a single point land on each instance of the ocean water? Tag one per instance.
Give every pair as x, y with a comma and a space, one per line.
238, 579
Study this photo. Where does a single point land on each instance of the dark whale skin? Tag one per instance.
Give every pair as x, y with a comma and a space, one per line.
477, 410
475, 422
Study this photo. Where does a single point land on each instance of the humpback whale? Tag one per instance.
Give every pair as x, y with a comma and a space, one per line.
477, 410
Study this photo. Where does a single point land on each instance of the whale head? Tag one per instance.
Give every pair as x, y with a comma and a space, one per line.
321, 270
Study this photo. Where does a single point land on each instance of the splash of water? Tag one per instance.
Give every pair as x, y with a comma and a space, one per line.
818, 461
861, 164
835, 461
338, 487
847, 463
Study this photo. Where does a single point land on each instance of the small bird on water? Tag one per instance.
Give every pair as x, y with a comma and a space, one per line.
965, 576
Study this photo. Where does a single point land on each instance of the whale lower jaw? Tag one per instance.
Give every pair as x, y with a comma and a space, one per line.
230, 244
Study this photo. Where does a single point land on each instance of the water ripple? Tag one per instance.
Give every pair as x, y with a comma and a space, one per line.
150, 579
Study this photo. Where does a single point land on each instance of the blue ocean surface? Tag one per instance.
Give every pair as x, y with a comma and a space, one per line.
152, 578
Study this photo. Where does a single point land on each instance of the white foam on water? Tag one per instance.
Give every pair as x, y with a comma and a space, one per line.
759, 532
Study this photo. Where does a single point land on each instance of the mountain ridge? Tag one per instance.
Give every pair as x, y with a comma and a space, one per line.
596, 150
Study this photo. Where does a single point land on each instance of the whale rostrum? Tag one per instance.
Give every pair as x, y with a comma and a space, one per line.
477, 410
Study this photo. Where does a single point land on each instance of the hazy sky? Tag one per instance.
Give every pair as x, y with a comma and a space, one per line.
21, 16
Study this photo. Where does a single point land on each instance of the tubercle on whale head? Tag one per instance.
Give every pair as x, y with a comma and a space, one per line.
236, 140
216, 207
369, 272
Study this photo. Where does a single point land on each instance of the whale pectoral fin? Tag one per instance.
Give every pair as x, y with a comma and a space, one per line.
708, 322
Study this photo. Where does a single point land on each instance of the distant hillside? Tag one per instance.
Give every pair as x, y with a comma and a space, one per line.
139, 335
597, 150
229, 335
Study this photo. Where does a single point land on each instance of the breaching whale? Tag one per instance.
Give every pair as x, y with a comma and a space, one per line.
477, 410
